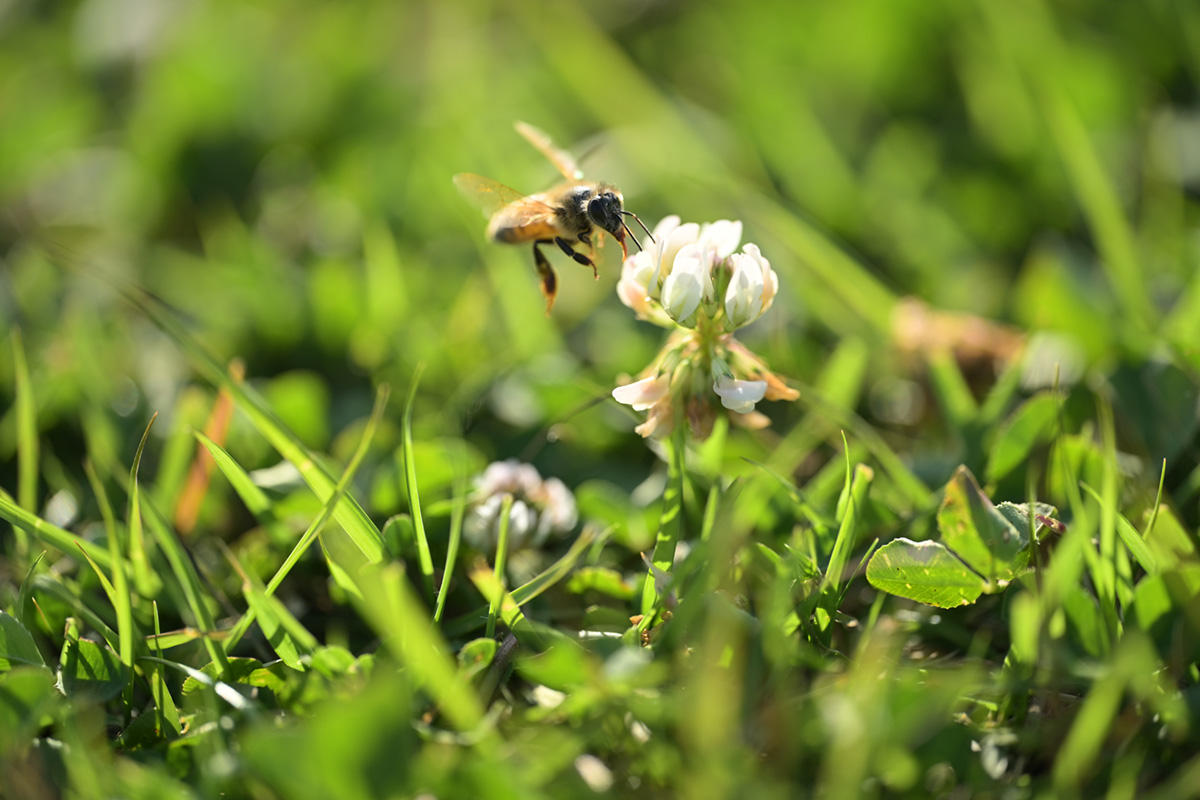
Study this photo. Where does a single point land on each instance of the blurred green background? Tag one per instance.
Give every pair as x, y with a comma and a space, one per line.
280, 174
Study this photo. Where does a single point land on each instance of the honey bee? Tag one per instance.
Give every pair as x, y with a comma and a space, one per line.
565, 215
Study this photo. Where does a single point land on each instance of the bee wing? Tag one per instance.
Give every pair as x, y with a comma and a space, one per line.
559, 158
489, 195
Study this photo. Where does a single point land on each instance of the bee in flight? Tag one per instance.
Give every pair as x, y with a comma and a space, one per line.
566, 215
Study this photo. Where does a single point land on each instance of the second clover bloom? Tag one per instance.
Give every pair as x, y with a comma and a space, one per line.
541, 506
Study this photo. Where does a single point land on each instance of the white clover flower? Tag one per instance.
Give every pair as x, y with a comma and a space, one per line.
738, 395
540, 507
677, 278
692, 279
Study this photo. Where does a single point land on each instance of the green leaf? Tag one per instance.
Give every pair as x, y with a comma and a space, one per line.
924, 571
475, 656
979, 534
399, 536
91, 670
1018, 516
16, 645
27, 695
1031, 423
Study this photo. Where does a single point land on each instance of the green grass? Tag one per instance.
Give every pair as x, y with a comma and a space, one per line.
963, 563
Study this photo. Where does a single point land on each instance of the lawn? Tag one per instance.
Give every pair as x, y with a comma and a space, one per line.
873, 471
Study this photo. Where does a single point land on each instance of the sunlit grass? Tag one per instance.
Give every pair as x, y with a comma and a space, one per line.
962, 563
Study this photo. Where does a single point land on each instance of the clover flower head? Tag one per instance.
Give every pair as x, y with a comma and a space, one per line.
691, 275
541, 506
692, 278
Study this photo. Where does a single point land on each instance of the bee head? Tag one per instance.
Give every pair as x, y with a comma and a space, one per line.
604, 210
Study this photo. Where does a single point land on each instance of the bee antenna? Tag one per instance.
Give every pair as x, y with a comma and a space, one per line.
631, 236
639, 222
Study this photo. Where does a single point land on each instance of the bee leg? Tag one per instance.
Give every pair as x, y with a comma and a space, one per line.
587, 239
579, 257
546, 273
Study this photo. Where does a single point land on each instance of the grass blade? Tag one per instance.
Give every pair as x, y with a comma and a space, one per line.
119, 594
328, 510
410, 482
256, 499
456, 523
506, 504
348, 513
147, 581
669, 527
185, 574
24, 593
49, 534
27, 438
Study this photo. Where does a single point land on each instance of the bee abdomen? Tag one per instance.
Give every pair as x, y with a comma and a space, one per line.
507, 235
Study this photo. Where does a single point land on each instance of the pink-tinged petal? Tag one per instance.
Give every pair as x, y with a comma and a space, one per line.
642, 394
633, 294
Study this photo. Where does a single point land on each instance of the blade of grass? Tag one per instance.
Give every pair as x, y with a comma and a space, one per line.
24, 593
527, 591
256, 500
410, 481
506, 504
46, 533
1129, 535
348, 513
185, 574
27, 438
223, 690
951, 389
147, 581
535, 636
1106, 587
843, 545
1029, 40
282, 630
120, 597
1162, 476
670, 524
556, 572
164, 703
71, 597
328, 510
393, 610
456, 523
